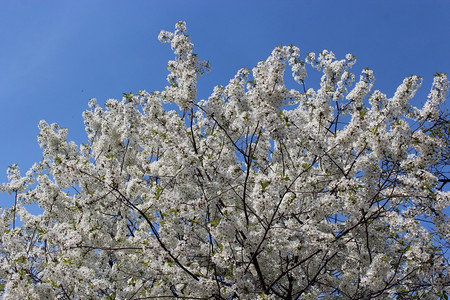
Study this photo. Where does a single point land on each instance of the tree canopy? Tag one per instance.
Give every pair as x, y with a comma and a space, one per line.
258, 192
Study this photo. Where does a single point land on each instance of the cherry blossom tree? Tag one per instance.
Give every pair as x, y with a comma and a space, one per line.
258, 192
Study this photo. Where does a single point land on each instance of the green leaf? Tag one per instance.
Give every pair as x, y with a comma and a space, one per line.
128, 96
158, 191
264, 184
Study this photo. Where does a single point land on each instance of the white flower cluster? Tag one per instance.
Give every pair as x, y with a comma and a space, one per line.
184, 70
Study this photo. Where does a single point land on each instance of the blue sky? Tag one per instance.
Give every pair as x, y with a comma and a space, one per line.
55, 55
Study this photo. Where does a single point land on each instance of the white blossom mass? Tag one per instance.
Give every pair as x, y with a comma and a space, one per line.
258, 192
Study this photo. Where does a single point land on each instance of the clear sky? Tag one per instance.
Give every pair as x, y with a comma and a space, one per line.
55, 55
